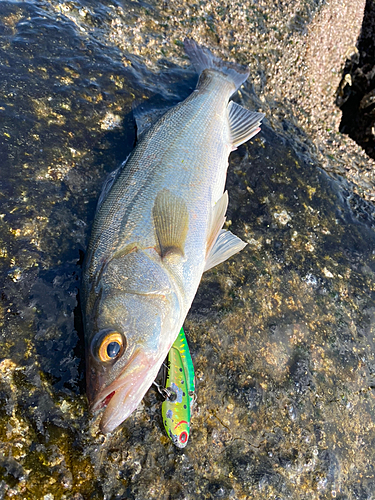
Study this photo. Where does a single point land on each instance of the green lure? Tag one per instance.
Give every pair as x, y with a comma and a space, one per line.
180, 386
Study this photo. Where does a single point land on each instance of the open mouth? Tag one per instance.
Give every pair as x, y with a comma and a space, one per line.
125, 393
124, 379
101, 404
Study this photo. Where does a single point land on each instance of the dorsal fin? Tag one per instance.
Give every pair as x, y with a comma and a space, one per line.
244, 124
147, 113
171, 222
108, 183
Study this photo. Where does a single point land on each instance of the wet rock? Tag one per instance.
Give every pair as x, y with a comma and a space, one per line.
282, 335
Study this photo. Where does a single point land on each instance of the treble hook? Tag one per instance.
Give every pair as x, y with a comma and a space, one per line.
163, 391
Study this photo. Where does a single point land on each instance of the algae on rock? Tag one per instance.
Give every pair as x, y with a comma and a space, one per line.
282, 335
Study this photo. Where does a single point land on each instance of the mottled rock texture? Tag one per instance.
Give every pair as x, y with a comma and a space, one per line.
282, 335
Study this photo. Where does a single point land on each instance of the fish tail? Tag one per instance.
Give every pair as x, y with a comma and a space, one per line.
202, 58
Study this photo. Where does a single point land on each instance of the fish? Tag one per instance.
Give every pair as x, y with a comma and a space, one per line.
180, 389
158, 226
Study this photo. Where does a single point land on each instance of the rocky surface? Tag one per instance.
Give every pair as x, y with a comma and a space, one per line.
282, 335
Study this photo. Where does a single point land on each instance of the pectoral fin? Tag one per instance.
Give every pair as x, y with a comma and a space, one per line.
171, 222
226, 245
244, 124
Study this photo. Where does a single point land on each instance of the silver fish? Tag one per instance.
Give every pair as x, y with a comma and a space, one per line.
157, 228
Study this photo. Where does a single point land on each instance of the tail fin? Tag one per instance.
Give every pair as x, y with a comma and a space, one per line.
202, 59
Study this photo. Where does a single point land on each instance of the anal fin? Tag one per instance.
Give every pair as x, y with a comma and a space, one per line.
226, 245
244, 124
171, 222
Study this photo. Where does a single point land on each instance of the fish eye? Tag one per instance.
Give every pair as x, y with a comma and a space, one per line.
109, 345
113, 349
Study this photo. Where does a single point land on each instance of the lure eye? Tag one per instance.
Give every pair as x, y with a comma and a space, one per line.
110, 345
183, 437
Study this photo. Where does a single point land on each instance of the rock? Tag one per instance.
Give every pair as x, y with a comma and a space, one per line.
282, 335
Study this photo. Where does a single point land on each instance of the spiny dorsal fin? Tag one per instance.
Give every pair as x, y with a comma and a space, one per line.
171, 222
217, 221
108, 183
147, 114
244, 124
226, 245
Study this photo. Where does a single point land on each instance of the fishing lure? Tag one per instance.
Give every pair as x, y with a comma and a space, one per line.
179, 388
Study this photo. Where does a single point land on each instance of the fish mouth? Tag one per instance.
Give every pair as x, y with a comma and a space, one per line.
124, 394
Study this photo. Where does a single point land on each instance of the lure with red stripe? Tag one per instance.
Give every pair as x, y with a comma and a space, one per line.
176, 409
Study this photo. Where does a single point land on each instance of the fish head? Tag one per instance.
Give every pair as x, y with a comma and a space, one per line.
127, 341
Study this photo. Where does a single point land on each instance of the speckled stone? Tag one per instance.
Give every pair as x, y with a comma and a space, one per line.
282, 335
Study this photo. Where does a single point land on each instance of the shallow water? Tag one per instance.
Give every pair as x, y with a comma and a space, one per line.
282, 335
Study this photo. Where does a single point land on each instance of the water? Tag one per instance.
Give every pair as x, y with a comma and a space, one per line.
282, 335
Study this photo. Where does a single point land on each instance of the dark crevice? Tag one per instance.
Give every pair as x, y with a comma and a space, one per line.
356, 92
